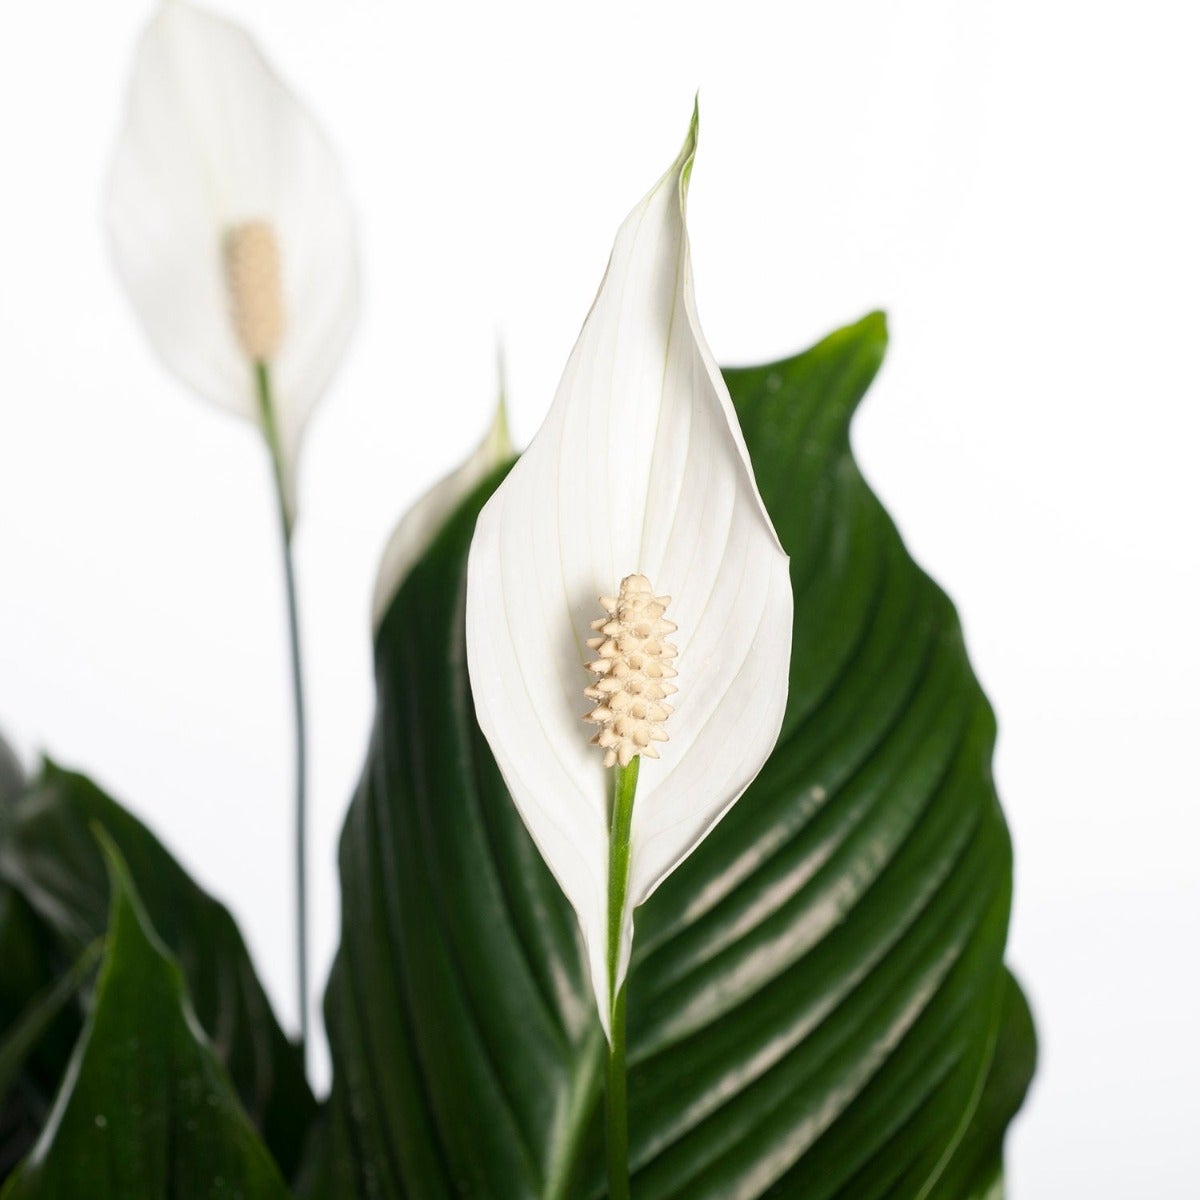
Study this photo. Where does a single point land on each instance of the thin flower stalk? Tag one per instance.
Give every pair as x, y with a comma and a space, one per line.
233, 234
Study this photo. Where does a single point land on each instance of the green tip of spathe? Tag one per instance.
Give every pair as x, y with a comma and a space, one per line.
687, 156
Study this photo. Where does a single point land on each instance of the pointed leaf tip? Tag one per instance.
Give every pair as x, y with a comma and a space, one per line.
692, 141
145, 1109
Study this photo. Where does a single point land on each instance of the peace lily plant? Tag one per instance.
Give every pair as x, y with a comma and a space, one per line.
233, 233
635, 499
818, 998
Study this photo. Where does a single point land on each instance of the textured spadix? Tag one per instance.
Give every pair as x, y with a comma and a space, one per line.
639, 468
214, 143
633, 672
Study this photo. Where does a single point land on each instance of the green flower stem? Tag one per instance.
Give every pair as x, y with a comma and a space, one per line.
624, 789
270, 426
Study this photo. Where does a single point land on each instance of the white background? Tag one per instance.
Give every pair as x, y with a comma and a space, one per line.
1015, 182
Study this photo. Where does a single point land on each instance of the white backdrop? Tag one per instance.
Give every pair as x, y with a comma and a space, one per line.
1015, 182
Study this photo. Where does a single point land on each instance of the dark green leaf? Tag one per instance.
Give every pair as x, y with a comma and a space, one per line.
49, 855
816, 993
12, 778
21, 1036
977, 1169
32, 963
28, 966
26, 1044
146, 1109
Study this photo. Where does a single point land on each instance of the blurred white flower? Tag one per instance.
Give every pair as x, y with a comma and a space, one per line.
638, 483
230, 224
420, 525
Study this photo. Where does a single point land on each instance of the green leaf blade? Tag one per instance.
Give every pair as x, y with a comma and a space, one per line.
49, 857
22, 1036
816, 992
145, 1109
976, 1169
444, 1021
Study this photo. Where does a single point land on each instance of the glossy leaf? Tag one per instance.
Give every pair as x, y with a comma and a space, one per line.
25, 1085
976, 1171
32, 966
12, 778
146, 1108
49, 856
817, 1000
21, 1036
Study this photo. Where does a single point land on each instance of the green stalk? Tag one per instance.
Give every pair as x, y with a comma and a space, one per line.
270, 426
616, 1108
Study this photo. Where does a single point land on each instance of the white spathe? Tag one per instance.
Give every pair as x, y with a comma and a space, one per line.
639, 467
421, 524
212, 139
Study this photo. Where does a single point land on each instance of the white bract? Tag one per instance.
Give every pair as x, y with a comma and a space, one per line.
421, 524
640, 469
222, 181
